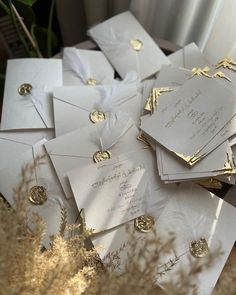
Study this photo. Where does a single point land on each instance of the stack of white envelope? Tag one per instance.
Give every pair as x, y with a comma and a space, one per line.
85, 124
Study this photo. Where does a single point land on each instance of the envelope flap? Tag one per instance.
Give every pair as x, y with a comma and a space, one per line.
28, 137
14, 138
84, 142
103, 98
37, 71
118, 45
85, 64
194, 213
78, 143
10, 178
83, 97
33, 110
111, 33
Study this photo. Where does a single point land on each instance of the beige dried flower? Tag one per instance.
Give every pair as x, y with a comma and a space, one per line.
69, 267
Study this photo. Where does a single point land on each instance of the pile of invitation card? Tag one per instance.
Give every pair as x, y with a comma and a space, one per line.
192, 117
123, 133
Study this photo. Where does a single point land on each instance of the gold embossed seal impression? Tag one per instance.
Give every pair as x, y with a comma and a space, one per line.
136, 44
144, 223
97, 116
38, 195
25, 89
101, 156
92, 82
199, 248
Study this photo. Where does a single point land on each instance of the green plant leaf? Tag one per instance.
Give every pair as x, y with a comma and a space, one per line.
2, 81
40, 34
26, 12
27, 2
4, 9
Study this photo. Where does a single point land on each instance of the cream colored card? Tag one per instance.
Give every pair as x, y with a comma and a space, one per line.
85, 67
113, 137
111, 192
192, 213
128, 46
172, 76
188, 57
218, 162
45, 196
77, 148
76, 107
191, 117
27, 102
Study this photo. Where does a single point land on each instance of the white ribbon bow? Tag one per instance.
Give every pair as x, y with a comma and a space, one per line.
116, 94
80, 66
110, 131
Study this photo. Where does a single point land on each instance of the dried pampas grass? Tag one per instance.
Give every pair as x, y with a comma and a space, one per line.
69, 268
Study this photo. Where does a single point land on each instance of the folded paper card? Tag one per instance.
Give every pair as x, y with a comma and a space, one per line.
111, 192
27, 102
96, 142
87, 67
14, 143
45, 196
128, 49
195, 217
76, 107
191, 117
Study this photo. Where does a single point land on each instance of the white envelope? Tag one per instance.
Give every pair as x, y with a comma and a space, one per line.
33, 110
114, 37
192, 213
188, 57
14, 143
119, 135
81, 65
43, 175
73, 105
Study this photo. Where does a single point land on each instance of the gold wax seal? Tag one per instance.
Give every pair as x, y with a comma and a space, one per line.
144, 223
92, 82
97, 116
100, 156
25, 89
199, 248
136, 44
38, 195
